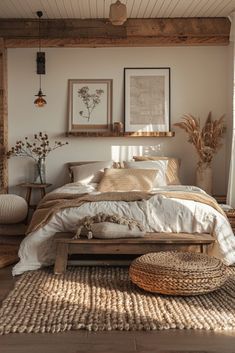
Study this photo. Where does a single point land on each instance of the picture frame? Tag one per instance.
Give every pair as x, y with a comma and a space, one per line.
90, 105
147, 99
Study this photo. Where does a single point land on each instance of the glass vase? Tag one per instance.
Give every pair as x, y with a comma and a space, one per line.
40, 171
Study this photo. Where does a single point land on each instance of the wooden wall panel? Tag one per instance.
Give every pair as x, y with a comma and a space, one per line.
3, 118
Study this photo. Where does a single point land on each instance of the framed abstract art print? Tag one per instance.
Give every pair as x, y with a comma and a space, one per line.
147, 99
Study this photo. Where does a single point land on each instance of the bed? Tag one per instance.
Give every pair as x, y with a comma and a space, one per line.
163, 211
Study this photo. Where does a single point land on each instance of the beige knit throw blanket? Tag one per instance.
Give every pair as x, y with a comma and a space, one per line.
55, 202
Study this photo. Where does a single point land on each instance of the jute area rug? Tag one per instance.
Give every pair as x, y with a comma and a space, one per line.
101, 298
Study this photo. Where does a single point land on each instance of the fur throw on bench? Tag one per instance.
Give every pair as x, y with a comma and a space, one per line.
124, 227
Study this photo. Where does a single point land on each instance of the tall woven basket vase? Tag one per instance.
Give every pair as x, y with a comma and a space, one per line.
204, 178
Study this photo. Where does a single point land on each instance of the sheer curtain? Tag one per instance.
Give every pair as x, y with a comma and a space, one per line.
231, 185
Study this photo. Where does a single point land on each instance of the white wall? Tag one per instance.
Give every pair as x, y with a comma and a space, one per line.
199, 84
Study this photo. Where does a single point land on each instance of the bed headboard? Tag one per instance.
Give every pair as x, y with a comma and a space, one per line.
73, 164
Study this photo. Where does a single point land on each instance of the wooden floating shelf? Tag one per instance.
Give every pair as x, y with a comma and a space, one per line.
125, 134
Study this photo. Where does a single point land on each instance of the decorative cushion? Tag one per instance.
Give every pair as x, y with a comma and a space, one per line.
90, 173
13, 209
161, 166
178, 273
108, 230
173, 167
127, 180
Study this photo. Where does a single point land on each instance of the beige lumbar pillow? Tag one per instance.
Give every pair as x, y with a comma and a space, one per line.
104, 226
127, 180
172, 173
108, 230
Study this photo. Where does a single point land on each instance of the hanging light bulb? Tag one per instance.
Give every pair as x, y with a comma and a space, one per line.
40, 101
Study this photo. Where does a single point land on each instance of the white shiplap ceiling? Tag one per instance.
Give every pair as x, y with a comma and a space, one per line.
100, 8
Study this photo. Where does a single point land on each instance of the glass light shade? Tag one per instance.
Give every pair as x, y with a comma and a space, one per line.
40, 101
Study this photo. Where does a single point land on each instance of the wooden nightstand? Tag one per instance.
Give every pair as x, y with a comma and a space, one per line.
230, 213
231, 217
220, 198
31, 186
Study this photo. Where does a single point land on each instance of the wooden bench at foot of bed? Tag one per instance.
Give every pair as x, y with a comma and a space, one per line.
152, 242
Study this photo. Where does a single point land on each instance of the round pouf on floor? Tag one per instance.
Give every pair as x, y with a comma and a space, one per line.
178, 273
13, 209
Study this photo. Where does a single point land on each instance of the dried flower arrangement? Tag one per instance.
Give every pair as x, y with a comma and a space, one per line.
90, 100
207, 140
37, 149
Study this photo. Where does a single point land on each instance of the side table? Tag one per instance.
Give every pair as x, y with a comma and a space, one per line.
32, 186
220, 198
231, 217
230, 213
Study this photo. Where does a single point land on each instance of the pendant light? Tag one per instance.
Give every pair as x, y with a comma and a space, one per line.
117, 13
40, 101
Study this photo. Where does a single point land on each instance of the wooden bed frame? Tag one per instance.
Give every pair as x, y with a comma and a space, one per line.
66, 245
74, 164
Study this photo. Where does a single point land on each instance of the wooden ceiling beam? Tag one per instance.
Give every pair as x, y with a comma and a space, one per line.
101, 33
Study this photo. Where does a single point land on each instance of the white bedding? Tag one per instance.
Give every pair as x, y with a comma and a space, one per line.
158, 214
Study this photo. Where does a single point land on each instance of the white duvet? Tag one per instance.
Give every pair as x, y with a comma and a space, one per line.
158, 214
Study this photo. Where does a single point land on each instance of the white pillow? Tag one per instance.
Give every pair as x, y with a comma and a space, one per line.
161, 166
90, 173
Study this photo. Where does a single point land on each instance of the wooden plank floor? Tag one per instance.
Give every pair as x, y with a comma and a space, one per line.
168, 341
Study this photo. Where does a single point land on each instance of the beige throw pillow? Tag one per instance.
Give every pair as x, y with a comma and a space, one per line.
173, 167
108, 230
127, 180
161, 166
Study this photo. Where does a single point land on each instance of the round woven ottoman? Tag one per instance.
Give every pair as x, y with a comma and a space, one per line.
178, 273
13, 209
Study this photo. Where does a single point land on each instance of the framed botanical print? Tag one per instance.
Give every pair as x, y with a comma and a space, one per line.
90, 105
147, 99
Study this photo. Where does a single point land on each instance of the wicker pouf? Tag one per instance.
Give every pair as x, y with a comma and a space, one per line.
178, 273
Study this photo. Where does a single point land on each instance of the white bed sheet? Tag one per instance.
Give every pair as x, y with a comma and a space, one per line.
158, 214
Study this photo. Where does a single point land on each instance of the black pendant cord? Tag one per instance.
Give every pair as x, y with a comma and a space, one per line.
39, 49
39, 31
40, 101
39, 14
